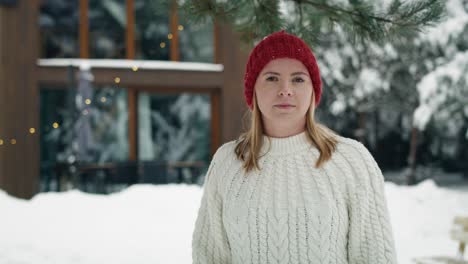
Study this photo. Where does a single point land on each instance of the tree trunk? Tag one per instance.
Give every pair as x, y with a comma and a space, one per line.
462, 148
411, 176
361, 131
376, 130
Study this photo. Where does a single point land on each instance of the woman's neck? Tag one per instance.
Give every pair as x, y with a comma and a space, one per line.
283, 129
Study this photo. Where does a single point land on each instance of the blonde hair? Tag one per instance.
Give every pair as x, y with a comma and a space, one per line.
249, 144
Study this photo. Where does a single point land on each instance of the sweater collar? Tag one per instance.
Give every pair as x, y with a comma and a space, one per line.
285, 145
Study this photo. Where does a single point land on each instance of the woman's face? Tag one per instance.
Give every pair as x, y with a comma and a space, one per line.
283, 91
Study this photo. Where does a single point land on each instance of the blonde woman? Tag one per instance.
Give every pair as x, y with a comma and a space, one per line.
289, 190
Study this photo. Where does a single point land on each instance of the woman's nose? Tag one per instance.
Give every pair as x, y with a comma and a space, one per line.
285, 90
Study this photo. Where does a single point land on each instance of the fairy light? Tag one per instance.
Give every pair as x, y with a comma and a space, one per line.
55, 125
88, 101
103, 99
162, 45
13, 141
135, 68
1, 142
180, 27
32, 130
169, 36
117, 80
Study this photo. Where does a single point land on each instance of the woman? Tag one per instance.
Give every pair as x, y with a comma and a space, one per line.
290, 190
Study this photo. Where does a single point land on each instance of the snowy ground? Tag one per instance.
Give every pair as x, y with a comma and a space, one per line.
153, 224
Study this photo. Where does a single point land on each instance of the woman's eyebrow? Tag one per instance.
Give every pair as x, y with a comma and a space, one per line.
274, 73
292, 74
299, 73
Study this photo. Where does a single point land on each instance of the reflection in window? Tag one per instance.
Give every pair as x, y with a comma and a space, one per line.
195, 40
152, 29
174, 127
107, 22
62, 126
107, 116
58, 22
52, 109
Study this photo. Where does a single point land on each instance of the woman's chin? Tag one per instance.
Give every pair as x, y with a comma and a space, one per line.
285, 110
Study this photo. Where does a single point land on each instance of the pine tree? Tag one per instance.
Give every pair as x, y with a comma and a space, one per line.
361, 19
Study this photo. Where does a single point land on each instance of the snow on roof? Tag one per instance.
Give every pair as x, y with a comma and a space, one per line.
129, 64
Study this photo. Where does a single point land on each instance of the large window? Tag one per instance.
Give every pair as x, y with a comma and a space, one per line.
107, 21
84, 129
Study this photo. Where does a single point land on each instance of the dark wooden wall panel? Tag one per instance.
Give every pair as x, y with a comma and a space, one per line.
230, 54
19, 108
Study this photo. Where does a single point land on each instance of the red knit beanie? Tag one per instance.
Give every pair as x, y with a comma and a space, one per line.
280, 45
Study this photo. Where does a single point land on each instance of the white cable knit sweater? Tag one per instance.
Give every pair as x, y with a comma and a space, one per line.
291, 212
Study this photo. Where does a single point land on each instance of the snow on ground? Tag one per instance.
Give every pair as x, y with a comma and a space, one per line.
153, 224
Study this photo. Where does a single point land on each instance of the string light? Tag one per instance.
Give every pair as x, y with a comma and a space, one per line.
55, 125
103, 99
117, 80
169, 36
32, 130
13, 141
135, 68
180, 27
88, 101
162, 45
1, 142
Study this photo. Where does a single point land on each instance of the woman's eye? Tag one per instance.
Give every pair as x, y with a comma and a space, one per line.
272, 78
299, 80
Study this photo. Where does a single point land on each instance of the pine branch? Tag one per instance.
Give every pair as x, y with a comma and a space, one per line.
400, 19
257, 18
336, 10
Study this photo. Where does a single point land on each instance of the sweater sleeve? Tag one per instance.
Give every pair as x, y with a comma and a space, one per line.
209, 240
370, 232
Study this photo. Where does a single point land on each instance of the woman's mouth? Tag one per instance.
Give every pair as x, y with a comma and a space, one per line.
284, 106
